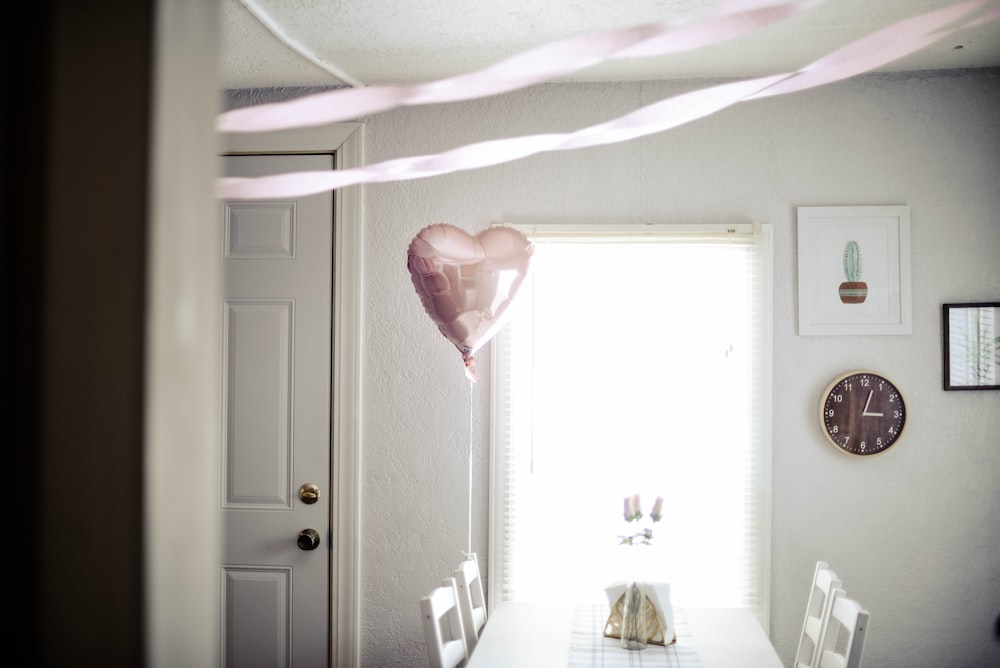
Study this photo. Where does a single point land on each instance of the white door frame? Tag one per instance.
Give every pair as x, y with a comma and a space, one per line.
346, 142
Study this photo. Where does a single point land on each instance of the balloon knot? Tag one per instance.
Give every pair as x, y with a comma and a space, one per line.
470, 367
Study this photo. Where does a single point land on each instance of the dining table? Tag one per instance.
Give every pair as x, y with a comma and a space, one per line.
571, 635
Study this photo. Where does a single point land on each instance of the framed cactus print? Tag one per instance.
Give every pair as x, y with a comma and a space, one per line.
854, 270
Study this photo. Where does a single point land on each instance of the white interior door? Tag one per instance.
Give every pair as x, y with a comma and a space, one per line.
277, 257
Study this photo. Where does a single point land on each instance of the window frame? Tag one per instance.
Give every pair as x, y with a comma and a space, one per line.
762, 239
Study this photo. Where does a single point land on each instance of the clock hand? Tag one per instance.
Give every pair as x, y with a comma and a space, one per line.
865, 412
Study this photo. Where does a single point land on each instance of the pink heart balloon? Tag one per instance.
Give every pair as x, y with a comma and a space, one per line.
466, 283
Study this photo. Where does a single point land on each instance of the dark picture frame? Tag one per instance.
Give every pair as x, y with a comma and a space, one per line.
970, 334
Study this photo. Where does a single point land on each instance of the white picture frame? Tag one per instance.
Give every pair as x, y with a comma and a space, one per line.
854, 270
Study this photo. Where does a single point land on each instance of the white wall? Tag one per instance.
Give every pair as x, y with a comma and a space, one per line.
914, 533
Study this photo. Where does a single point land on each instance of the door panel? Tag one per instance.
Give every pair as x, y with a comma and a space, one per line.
276, 399
258, 404
258, 616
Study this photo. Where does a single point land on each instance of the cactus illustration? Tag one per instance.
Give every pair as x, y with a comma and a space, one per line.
853, 263
853, 290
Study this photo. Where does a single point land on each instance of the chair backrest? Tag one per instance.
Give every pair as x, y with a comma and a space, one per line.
443, 626
817, 611
843, 639
471, 601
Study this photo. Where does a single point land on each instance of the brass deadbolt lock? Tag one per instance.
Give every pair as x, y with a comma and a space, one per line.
309, 493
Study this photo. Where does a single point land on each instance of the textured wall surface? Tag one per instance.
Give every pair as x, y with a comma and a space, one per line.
914, 533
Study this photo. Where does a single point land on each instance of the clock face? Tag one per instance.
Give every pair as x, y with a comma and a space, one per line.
862, 413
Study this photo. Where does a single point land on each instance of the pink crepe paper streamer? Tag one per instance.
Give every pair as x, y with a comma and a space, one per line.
657, 117
853, 59
877, 49
991, 15
729, 21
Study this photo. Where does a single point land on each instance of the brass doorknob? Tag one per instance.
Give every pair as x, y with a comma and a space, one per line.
309, 493
308, 539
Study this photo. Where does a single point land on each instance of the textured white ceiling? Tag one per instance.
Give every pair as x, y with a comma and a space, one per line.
398, 41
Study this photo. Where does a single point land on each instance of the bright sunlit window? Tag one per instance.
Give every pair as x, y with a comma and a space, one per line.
635, 362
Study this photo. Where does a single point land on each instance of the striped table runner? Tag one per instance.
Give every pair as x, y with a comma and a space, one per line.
590, 649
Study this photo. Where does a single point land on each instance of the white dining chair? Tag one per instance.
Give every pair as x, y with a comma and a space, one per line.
817, 611
471, 600
443, 626
842, 641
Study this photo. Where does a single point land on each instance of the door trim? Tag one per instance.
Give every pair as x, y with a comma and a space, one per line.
346, 142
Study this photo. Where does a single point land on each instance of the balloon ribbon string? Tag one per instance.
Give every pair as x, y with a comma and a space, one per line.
471, 384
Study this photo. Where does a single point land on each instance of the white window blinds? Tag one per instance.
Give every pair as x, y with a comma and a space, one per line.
636, 360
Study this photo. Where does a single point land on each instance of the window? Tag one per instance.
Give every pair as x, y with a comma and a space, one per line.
636, 360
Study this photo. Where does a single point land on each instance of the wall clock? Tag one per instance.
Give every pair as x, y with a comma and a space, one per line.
862, 413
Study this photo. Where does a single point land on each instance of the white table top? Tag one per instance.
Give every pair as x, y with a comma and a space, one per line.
535, 635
